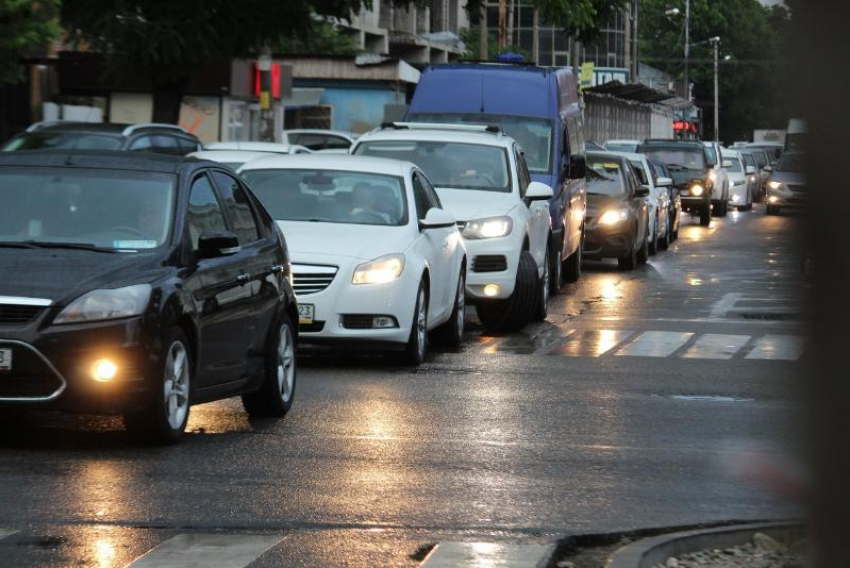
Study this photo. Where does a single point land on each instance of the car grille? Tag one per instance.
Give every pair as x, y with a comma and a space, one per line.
797, 188
489, 263
16, 314
312, 278
31, 377
357, 321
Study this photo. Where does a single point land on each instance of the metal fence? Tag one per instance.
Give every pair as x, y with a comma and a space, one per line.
609, 118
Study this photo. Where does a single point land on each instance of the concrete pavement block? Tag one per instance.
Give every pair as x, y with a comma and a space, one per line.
490, 554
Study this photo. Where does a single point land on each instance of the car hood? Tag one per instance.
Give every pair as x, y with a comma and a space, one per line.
63, 275
364, 242
596, 203
468, 204
788, 177
686, 176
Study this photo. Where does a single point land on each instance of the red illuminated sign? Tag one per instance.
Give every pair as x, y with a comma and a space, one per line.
275, 80
684, 126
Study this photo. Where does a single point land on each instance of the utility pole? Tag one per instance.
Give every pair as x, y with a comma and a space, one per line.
716, 42
503, 16
687, 51
535, 41
627, 40
483, 32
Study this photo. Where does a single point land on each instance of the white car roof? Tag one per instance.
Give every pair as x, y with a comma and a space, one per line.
318, 161
624, 141
629, 155
223, 156
436, 135
319, 131
256, 146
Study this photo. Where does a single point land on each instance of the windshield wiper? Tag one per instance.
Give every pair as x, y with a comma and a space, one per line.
63, 245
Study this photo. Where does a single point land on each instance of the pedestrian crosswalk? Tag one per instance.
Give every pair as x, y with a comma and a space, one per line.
555, 341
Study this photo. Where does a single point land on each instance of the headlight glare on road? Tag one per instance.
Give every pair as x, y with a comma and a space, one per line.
99, 305
613, 217
379, 271
697, 190
489, 228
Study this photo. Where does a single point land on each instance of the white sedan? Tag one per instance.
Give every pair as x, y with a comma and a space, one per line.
251, 146
376, 259
233, 159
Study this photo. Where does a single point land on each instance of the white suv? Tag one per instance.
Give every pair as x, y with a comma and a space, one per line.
482, 179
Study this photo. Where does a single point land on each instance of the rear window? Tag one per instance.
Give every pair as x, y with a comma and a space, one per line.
605, 176
63, 140
677, 159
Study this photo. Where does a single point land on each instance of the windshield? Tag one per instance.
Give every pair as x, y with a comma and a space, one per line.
678, 160
712, 154
105, 208
330, 196
761, 158
792, 163
736, 164
533, 134
449, 164
605, 177
621, 147
69, 140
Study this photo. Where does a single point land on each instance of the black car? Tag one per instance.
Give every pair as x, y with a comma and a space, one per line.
617, 221
689, 163
149, 137
660, 170
139, 285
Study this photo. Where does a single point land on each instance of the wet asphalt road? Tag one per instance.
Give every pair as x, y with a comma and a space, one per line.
645, 400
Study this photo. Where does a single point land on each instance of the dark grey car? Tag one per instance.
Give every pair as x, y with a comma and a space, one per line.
786, 186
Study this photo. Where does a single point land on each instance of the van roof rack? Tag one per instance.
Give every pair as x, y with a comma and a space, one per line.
488, 128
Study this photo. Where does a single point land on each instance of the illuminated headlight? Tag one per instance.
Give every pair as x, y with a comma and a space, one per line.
752, 178
379, 271
774, 184
736, 198
712, 175
697, 190
613, 217
489, 228
773, 199
104, 370
99, 305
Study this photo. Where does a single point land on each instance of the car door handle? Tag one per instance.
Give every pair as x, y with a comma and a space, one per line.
276, 268
243, 278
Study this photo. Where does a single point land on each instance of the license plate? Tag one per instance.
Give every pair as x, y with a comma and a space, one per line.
5, 359
306, 313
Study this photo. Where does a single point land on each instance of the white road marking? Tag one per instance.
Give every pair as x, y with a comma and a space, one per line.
716, 346
207, 551
491, 554
724, 305
6, 532
656, 344
778, 348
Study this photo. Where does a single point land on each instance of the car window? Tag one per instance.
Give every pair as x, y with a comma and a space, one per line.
164, 144
238, 208
336, 143
605, 176
75, 140
186, 145
143, 144
204, 212
640, 172
420, 198
430, 192
524, 176
653, 172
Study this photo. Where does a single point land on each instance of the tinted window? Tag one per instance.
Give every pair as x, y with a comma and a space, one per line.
641, 173
423, 204
75, 140
186, 145
678, 160
524, 176
204, 213
143, 144
330, 196
238, 208
449, 164
433, 198
736, 164
712, 154
790, 163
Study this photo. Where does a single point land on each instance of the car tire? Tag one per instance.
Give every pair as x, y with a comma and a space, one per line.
275, 395
572, 266
451, 332
556, 271
642, 254
417, 345
653, 239
542, 304
629, 260
515, 312
664, 243
705, 215
163, 419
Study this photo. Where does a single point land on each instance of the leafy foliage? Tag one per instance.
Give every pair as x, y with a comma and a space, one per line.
470, 37
25, 26
751, 90
323, 38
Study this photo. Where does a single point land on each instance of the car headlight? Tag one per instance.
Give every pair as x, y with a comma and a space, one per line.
752, 178
99, 305
697, 190
613, 217
774, 184
712, 175
379, 271
489, 228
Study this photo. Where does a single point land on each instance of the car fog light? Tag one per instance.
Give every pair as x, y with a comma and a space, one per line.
736, 198
383, 322
104, 370
773, 199
491, 290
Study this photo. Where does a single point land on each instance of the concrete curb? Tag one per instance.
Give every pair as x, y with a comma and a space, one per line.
651, 551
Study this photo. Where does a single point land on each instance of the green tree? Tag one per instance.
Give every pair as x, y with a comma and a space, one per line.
750, 96
324, 38
470, 38
25, 27
168, 39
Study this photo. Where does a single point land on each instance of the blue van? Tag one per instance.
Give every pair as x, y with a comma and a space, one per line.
542, 109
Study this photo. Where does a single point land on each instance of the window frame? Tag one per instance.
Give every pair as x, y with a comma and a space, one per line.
188, 248
261, 234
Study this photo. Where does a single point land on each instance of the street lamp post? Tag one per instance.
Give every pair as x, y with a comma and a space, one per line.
715, 41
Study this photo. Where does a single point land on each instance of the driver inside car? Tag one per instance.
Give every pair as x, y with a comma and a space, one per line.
364, 201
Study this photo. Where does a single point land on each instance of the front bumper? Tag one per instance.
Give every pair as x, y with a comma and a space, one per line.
52, 367
602, 241
507, 248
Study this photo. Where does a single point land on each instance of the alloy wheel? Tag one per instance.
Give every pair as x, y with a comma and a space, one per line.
176, 385
421, 323
285, 363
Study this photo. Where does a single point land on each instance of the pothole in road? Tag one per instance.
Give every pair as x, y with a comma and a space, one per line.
706, 398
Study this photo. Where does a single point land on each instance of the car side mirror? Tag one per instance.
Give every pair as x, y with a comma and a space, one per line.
727, 163
642, 191
538, 191
437, 219
578, 166
214, 244
664, 182
768, 168
751, 170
